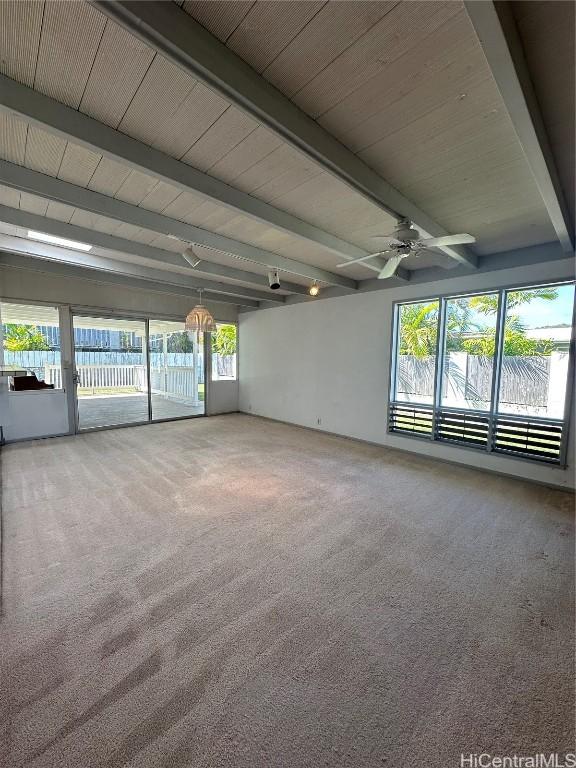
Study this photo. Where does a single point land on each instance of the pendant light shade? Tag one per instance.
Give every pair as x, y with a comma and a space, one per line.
200, 319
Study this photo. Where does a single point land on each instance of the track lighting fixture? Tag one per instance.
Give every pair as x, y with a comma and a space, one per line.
190, 256
314, 289
273, 279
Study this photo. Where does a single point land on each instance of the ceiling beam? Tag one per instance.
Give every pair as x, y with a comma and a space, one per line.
85, 265
172, 32
161, 257
553, 262
69, 124
25, 180
498, 36
548, 261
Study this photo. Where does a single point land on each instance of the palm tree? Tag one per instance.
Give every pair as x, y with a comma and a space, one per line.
419, 323
418, 329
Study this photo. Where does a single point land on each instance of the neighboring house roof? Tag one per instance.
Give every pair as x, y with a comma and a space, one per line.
557, 333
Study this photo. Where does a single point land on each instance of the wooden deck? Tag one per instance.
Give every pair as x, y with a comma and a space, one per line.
110, 410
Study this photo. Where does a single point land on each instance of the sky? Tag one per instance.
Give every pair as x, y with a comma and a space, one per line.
539, 313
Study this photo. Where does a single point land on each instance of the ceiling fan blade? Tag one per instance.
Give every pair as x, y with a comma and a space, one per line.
392, 239
391, 267
362, 258
438, 242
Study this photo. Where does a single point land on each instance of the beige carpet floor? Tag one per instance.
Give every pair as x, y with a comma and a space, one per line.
239, 593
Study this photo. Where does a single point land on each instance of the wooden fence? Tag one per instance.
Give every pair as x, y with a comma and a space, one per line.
523, 381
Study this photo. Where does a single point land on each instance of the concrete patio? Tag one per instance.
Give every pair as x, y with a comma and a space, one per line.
108, 410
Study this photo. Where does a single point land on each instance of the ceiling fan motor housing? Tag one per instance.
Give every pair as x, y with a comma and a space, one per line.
405, 231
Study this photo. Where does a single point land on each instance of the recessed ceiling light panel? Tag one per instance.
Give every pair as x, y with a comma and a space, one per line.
58, 241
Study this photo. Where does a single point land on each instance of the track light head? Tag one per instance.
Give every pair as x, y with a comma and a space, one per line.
314, 289
190, 256
273, 279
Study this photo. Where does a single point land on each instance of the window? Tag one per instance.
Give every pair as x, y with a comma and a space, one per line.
488, 371
224, 345
535, 356
417, 337
468, 347
31, 340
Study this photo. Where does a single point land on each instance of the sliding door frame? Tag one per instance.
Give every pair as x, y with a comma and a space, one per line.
83, 311
108, 315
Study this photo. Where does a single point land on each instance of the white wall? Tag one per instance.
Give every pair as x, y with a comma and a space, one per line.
222, 397
326, 365
34, 414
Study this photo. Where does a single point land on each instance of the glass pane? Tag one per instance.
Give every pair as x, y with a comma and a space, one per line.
176, 370
416, 354
536, 350
110, 362
31, 341
224, 352
469, 352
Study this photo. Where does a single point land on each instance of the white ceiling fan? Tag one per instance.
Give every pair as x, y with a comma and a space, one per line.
405, 241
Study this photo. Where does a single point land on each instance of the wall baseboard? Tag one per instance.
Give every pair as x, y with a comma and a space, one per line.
420, 454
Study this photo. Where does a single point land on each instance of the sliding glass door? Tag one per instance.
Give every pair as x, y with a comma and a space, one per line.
176, 370
110, 371
133, 371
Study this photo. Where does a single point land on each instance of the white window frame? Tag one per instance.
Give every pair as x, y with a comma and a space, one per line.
492, 416
212, 378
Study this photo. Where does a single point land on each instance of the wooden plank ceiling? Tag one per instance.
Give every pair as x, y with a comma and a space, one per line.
547, 31
402, 84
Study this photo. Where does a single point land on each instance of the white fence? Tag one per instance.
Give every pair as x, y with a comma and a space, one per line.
176, 382
52, 374
101, 376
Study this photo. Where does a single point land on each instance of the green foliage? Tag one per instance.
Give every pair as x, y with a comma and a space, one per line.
418, 326
180, 342
127, 342
488, 304
224, 340
418, 329
23, 338
458, 323
516, 343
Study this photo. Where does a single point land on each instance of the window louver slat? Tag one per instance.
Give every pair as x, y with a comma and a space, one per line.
536, 440
467, 428
411, 420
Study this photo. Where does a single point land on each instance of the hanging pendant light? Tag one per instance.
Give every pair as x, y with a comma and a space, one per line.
199, 318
